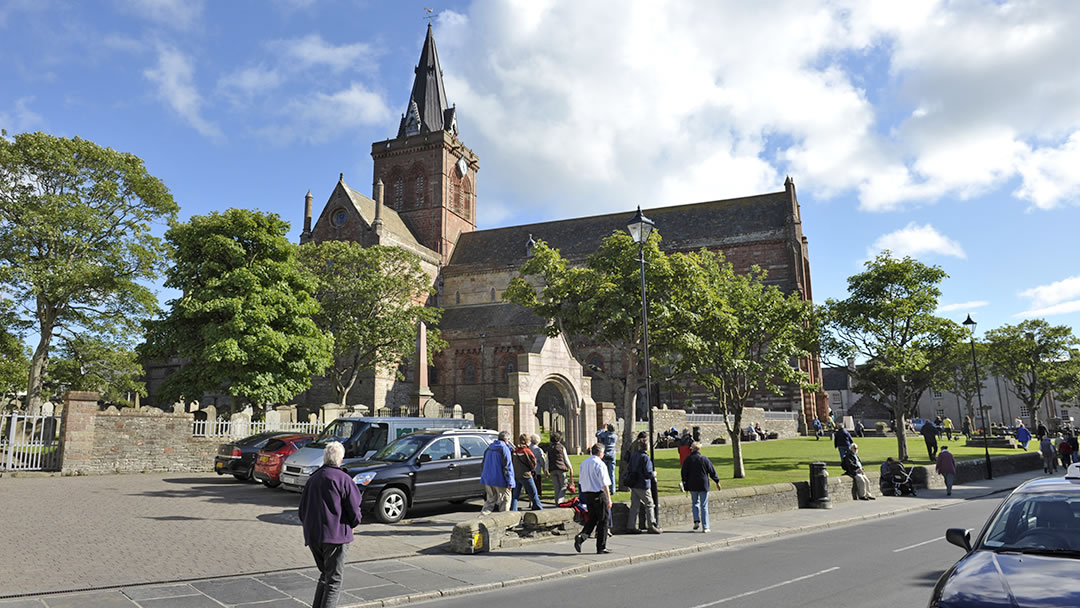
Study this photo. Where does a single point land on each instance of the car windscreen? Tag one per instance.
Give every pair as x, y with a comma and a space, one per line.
1035, 521
255, 441
338, 430
274, 445
402, 449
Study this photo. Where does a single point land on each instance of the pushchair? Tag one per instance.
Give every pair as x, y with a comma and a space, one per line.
896, 480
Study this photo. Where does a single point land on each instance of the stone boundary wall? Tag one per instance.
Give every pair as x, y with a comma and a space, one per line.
664, 419
508, 530
130, 440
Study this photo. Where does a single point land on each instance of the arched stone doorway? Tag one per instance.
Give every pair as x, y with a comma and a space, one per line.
559, 409
549, 372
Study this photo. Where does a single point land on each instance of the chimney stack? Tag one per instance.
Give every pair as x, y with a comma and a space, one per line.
379, 188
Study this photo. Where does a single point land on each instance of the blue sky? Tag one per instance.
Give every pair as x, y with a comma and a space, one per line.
949, 131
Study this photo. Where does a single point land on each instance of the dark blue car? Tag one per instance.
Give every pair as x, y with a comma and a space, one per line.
1027, 555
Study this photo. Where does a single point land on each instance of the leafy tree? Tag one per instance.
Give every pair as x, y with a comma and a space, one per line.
92, 364
75, 239
245, 319
372, 302
600, 301
958, 375
888, 321
14, 361
735, 336
1034, 358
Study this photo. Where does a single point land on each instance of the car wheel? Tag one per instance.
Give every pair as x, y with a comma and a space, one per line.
247, 476
390, 507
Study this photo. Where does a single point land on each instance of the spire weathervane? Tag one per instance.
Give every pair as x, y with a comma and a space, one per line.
430, 15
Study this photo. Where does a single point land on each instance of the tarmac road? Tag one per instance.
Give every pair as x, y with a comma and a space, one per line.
892, 562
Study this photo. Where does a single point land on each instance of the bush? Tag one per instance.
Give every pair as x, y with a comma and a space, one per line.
882, 426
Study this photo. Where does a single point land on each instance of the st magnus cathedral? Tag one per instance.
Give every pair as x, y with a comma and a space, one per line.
424, 198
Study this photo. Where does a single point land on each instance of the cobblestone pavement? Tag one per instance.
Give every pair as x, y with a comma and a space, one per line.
74, 533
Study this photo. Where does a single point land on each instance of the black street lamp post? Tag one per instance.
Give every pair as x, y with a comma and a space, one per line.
640, 228
970, 324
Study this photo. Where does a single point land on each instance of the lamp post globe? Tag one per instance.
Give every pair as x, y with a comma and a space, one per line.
970, 324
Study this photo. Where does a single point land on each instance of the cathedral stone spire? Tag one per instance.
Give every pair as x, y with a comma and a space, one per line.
427, 109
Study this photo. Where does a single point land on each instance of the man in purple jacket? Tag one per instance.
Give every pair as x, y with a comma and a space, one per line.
329, 510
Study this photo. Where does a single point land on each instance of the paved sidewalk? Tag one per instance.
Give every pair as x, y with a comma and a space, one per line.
431, 573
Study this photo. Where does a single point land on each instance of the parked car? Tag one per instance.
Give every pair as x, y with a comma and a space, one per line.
271, 458
237, 458
361, 437
916, 424
1026, 554
423, 467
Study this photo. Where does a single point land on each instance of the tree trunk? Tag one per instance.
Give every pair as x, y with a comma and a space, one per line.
39, 364
344, 387
900, 426
736, 454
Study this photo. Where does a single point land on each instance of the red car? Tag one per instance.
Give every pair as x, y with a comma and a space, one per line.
271, 458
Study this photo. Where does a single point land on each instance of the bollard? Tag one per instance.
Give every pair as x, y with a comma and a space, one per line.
819, 486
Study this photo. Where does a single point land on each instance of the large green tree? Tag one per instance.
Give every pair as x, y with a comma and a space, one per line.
600, 300
245, 319
76, 239
888, 321
1034, 358
87, 363
372, 302
736, 336
14, 358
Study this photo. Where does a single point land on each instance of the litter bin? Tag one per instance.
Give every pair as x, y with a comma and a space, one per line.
819, 486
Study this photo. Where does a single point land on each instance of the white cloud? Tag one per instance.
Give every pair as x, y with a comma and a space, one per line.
175, 80
179, 14
963, 306
679, 102
21, 117
915, 240
319, 117
1057, 298
312, 50
241, 86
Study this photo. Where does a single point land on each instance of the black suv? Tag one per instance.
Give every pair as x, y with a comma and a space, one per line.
425, 466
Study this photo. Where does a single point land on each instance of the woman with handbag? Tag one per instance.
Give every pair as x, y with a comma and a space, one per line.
559, 467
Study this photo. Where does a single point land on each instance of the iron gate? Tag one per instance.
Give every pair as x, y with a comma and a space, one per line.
29, 443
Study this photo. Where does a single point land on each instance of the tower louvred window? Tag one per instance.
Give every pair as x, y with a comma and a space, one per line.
419, 191
399, 193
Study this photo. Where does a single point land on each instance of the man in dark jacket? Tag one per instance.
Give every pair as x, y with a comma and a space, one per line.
842, 441
329, 510
930, 432
696, 472
497, 475
640, 477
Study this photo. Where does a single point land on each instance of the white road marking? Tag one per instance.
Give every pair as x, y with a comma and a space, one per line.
787, 582
925, 542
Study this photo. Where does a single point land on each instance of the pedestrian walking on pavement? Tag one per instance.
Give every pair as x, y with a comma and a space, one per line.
329, 510
860, 486
595, 491
696, 472
640, 477
524, 469
559, 466
929, 432
541, 470
607, 438
842, 441
497, 475
946, 467
1049, 454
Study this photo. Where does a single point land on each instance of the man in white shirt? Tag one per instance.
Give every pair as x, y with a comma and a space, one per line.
594, 484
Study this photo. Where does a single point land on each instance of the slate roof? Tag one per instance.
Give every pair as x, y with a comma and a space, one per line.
489, 316
834, 378
391, 220
428, 92
683, 227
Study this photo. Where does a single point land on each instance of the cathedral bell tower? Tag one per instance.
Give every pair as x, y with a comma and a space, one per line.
428, 174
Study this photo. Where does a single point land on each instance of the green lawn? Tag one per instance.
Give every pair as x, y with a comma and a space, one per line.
787, 460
